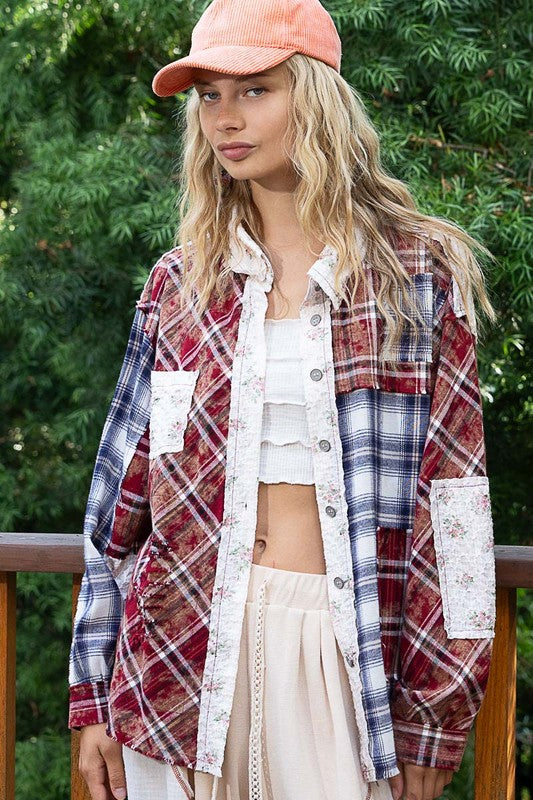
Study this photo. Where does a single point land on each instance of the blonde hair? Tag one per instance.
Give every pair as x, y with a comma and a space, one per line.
341, 187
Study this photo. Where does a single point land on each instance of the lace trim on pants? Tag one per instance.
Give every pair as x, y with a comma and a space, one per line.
257, 759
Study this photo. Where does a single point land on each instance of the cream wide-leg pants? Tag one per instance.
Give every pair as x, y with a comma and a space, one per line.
292, 733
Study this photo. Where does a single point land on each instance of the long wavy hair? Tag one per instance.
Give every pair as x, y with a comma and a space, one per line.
341, 187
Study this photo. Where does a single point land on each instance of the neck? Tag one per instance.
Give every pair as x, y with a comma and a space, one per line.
278, 212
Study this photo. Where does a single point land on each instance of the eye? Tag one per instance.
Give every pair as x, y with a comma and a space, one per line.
204, 94
252, 89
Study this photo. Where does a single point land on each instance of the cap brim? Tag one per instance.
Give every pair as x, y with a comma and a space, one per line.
233, 59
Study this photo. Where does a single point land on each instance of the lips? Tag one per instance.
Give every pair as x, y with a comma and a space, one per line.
233, 145
236, 152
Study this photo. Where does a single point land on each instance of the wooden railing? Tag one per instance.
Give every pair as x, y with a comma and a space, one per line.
495, 724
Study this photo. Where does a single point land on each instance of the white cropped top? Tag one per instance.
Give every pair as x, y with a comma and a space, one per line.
285, 442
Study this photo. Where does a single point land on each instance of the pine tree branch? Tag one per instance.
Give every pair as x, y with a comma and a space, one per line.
485, 151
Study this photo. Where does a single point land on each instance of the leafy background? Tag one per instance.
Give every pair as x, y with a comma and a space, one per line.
87, 205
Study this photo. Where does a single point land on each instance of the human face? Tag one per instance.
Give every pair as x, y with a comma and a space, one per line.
252, 109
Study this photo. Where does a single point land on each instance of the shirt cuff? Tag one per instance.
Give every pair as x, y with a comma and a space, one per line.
428, 746
88, 703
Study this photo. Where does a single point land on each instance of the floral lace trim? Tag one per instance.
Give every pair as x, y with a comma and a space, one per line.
172, 393
463, 537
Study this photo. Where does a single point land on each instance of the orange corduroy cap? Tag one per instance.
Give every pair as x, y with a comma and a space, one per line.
241, 37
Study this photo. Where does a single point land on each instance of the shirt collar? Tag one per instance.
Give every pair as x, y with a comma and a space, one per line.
248, 258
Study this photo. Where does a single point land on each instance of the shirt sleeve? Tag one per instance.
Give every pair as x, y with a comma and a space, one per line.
117, 497
449, 602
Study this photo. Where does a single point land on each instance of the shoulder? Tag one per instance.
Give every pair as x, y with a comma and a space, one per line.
439, 247
449, 259
168, 267
161, 288
422, 252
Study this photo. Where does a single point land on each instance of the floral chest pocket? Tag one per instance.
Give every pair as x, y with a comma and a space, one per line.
172, 394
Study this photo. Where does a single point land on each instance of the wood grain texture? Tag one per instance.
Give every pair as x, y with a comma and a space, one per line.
495, 750
7, 684
514, 566
41, 552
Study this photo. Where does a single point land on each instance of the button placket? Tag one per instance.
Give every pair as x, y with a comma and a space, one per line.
323, 421
233, 563
322, 414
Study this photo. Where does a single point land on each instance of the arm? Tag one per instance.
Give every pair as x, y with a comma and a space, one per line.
449, 609
116, 518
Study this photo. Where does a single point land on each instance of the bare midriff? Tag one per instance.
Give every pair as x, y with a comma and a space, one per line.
288, 534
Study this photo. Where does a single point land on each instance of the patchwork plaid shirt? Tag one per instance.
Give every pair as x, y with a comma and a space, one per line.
403, 499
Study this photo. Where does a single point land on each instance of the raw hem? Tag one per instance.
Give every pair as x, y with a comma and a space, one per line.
121, 739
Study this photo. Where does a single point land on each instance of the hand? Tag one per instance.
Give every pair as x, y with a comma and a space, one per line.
419, 783
101, 763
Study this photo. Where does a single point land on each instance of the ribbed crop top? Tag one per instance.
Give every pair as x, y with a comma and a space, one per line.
285, 441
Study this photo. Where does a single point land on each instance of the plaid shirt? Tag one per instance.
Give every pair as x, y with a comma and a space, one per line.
402, 493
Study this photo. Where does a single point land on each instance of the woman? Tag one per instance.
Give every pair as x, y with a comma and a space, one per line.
289, 586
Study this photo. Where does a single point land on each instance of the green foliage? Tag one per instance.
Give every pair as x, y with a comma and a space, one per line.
87, 206
43, 635
43, 766
524, 710
43, 640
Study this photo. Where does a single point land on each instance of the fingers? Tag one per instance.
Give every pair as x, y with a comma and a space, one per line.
115, 769
444, 778
95, 776
396, 786
422, 783
101, 764
414, 788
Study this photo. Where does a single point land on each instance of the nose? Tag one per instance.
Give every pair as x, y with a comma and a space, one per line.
228, 116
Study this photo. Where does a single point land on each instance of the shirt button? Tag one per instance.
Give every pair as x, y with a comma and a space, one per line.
316, 374
324, 445
315, 319
330, 511
339, 583
350, 661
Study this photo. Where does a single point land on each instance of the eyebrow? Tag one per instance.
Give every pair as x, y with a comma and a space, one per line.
238, 78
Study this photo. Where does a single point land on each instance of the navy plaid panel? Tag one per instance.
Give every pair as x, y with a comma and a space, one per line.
408, 348
127, 419
96, 623
383, 436
100, 605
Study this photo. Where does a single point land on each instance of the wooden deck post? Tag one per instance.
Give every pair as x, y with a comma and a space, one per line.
495, 724
7, 683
